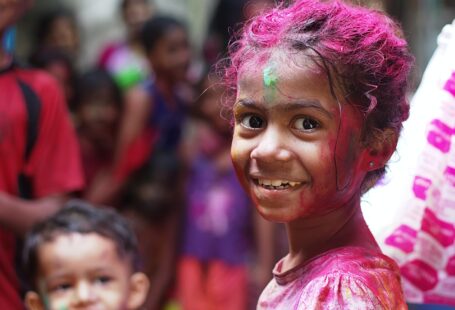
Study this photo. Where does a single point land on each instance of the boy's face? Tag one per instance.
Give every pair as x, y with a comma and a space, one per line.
296, 151
11, 11
85, 271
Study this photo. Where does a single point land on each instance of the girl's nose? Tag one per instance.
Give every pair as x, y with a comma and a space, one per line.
272, 146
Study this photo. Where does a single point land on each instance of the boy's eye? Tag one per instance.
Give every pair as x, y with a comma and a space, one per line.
306, 124
103, 279
252, 121
62, 287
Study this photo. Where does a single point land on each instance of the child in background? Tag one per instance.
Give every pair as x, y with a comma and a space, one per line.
126, 61
150, 206
84, 257
60, 66
98, 108
219, 227
57, 29
320, 97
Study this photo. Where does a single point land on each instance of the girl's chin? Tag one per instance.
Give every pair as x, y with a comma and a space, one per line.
278, 214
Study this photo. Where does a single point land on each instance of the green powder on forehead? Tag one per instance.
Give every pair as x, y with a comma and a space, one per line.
270, 80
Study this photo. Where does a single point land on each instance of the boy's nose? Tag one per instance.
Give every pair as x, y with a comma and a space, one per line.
272, 146
83, 294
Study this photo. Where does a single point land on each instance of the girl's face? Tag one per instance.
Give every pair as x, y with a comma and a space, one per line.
295, 149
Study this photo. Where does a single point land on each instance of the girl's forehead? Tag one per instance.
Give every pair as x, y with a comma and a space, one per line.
282, 74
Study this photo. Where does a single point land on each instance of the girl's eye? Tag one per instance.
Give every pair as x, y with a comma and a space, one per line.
306, 124
252, 121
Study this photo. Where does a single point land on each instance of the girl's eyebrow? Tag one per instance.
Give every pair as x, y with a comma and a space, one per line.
302, 104
289, 106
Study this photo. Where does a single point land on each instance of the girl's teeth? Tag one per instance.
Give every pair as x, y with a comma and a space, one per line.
277, 183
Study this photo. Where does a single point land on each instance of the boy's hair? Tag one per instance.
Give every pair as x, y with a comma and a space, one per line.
80, 217
156, 28
361, 50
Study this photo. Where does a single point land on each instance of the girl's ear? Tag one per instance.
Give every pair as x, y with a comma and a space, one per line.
379, 149
139, 288
33, 301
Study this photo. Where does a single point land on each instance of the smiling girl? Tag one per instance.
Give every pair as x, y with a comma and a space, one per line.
320, 96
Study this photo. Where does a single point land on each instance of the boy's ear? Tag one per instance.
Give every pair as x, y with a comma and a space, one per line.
33, 301
379, 149
139, 288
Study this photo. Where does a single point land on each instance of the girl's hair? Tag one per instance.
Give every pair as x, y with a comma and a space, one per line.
362, 51
156, 28
82, 218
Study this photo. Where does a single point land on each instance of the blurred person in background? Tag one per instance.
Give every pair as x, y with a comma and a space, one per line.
126, 60
228, 16
98, 108
218, 241
57, 29
152, 207
60, 66
40, 163
154, 111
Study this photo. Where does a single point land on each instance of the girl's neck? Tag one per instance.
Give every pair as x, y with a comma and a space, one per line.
310, 237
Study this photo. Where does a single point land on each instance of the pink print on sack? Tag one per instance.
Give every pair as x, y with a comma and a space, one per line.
450, 84
450, 268
439, 135
403, 238
420, 187
420, 274
443, 232
449, 173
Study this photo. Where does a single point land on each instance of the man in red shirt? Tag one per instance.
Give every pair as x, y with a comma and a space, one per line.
52, 165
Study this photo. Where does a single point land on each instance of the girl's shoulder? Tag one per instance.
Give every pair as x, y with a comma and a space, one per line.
351, 277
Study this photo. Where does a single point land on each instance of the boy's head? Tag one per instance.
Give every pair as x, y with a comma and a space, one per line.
361, 52
83, 258
165, 41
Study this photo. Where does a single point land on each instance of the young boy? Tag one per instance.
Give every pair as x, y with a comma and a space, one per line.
83, 257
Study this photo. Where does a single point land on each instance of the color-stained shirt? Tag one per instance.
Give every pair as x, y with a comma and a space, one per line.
343, 278
54, 165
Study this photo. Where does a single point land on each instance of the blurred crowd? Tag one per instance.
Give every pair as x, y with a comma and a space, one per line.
154, 144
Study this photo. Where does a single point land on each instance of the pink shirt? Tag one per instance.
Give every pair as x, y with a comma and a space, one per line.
343, 278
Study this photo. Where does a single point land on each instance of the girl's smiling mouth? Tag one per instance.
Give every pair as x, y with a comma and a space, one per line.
276, 184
